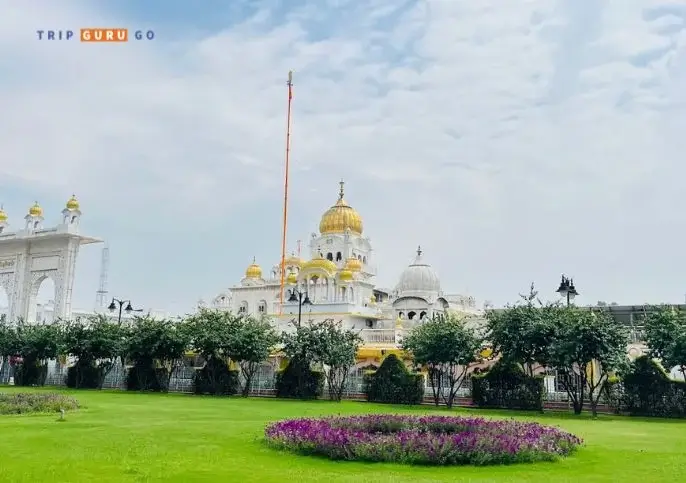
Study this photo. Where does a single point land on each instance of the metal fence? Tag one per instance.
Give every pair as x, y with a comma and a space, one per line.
263, 383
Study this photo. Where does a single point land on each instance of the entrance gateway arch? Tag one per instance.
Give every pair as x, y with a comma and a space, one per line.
33, 254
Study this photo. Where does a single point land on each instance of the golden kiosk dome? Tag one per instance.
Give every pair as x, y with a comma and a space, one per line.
253, 270
353, 264
3, 215
345, 276
320, 264
292, 279
73, 203
294, 261
36, 210
340, 217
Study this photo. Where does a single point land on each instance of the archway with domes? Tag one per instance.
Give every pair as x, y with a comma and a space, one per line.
35, 257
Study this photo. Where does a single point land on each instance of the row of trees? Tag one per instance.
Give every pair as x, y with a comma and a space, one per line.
154, 349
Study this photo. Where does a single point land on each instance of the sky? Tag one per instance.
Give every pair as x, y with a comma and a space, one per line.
513, 141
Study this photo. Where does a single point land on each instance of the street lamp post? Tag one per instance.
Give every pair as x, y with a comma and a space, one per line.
128, 309
567, 289
302, 299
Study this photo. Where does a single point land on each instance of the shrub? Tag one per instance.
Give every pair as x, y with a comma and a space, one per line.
21, 403
297, 380
432, 440
146, 377
649, 391
506, 385
30, 373
393, 383
85, 376
216, 378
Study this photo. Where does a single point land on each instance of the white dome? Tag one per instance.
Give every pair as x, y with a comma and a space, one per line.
418, 277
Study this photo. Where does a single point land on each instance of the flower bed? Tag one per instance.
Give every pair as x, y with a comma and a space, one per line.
432, 440
35, 402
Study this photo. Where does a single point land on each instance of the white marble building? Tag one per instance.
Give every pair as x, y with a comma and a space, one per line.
338, 278
34, 254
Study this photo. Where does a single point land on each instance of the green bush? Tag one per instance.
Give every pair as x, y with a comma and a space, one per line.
393, 383
30, 373
506, 385
146, 377
649, 391
85, 376
297, 380
22, 402
216, 379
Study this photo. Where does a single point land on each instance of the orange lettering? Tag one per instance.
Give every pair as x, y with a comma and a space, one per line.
104, 35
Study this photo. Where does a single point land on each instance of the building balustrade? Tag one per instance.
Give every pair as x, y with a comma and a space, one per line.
378, 336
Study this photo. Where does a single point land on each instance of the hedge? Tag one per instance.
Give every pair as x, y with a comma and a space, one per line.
299, 381
507, 386
216, 379
30, 373
649, 391
393, 383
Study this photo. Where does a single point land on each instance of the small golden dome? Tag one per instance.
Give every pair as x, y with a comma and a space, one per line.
398, 323
36, 210
340, 217
345, 275
253, 270
292, 279
3, 215
372, 300
294, 261
320, 264
353, 264
72, 203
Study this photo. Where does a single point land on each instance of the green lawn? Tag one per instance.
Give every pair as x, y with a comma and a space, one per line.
152, 437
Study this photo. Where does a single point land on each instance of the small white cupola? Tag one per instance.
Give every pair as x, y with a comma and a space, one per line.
34, 219
71, 214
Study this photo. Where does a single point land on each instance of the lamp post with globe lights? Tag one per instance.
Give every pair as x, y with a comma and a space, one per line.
128, 309
567, 290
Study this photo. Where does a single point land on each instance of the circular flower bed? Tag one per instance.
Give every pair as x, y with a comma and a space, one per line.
433, 440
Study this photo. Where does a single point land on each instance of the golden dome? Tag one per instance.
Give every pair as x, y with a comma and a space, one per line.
72, 203
36, 210
253, 270
340, 217
3, 215
353, 264
294, 261
320, 264
345, 275
372, 300
292, 279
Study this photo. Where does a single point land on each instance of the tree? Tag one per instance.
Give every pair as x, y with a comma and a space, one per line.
339, 353
96, 343
522, 333
250, 342
36, 344
588, 347
447, 347
156, 347
303, 346
208, 332
665, 328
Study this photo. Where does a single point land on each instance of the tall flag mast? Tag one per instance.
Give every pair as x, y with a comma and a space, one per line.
285, 189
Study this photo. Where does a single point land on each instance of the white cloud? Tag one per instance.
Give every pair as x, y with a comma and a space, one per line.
512, 140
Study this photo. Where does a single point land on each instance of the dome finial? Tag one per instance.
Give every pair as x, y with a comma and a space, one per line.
419, 251
340, 193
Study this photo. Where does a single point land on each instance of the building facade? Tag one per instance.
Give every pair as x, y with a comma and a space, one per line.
337, 280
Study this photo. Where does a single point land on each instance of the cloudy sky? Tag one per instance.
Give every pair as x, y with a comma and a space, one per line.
513, 140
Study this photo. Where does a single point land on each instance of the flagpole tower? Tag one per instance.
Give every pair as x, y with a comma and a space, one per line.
285, 190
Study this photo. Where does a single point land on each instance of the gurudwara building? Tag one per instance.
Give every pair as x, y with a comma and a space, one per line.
337, 281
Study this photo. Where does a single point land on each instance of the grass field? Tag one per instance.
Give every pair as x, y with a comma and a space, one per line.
122, 437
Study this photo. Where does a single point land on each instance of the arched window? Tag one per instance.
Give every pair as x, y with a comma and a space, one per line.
401, 315
410, 315
73, 219
359, 257
364, 259
329, 256
422, 315
339, 256
262, 307
243, 309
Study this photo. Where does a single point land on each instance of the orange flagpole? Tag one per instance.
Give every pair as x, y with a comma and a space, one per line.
285, 189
